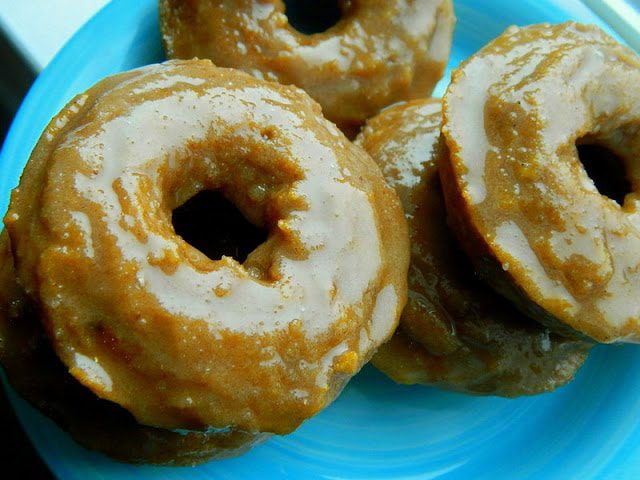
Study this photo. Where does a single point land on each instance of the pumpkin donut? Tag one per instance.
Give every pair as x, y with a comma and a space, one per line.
145, 320
379, 52
520, 200
455, 332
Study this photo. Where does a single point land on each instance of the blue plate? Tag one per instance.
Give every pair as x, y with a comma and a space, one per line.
376, 429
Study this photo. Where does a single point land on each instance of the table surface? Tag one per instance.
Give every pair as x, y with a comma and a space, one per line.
38, 29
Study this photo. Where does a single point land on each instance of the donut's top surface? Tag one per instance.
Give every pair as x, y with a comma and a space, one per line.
513, 116
146, 320
379, 52
454, 332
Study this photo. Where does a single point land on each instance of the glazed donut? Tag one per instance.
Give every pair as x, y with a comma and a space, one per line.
145, 320
455, 332
378, 53
523, 205
39, 377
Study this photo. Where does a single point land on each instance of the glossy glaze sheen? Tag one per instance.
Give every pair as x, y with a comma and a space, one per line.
379, 52
589, 429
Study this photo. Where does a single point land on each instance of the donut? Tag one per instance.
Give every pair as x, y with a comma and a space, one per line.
455, 332
379, 51
145, 320
522, 203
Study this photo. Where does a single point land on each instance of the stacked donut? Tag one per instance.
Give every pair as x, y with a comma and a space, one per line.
501, 153
150, 350
455, 332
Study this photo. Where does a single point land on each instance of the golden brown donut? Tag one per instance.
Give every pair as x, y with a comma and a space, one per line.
524, 207
145, 320
378, 53
455, 332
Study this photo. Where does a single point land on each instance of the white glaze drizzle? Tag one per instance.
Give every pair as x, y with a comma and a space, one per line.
84, 224
512, 241
93, 372
343, 244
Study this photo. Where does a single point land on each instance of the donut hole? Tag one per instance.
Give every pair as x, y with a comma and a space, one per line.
213, 225
312, 17
606, 169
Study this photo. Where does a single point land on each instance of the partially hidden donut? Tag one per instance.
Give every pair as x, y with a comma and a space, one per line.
38, 376
145, 320
521, 201
379, 51
455, 332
